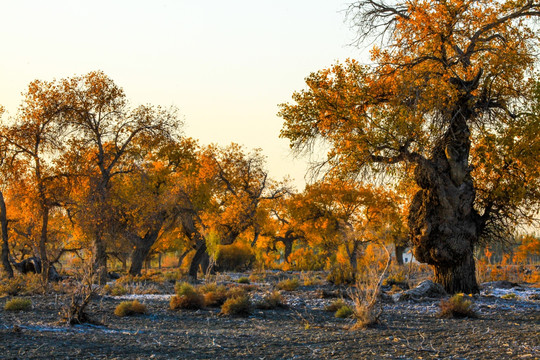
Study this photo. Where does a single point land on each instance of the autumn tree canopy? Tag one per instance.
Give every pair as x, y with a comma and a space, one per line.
449, 79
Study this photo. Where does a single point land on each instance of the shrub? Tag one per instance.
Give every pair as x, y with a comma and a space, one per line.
306, 259
115, 290
341, 275
457, 307
243, 280
288, 284
12, 286
366, 315
28, 284
344, 312
18, 304
128, 308
236, 291
187, 298
309, 280
235, 257
335, 305
238, 306
398, 278
271, 300
215, 296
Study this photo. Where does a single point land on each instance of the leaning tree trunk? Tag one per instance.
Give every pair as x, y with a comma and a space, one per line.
442, 217
141, 250
197, 260
5, 245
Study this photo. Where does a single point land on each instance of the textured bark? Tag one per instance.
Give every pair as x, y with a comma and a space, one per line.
288, 240
6, 266
442, 219
141, 250
188, 220
99, 260
197, 260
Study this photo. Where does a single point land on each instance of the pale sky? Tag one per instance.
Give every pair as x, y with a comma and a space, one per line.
225, 65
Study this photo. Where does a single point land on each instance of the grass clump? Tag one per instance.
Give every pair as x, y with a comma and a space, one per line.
457, 307
28, 284
128, 308
237, 306
344, 312
18, 304
509, 296
288, 284
187, 297
116, 290
396, 279
243, 280
214, 295
270, 301
341, 275
335, 305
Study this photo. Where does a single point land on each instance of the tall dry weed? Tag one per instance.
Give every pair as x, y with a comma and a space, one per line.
367, 308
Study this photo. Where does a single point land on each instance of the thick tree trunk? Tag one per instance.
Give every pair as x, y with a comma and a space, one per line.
138, 258
99, 260
442, 219
142, 248
458, 278
6, 266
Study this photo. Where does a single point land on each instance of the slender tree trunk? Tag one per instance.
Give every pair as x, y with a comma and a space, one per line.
399, 254
255, 238
5, 245
288, 248
45, 265
197, 260
442, 219
182, 256
353, 256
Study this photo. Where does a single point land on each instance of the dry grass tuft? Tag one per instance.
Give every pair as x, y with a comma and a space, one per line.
457, 307
288, 284
335, 305
28, 284
237, 306
243, 280
18, 304
115, 290
214, 295
270, 301
344, 312
128, 308
187, 297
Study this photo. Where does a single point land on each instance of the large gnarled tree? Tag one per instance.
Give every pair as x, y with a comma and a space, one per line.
450, 79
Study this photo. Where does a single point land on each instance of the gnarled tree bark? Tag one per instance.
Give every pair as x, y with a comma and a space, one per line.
442, 220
